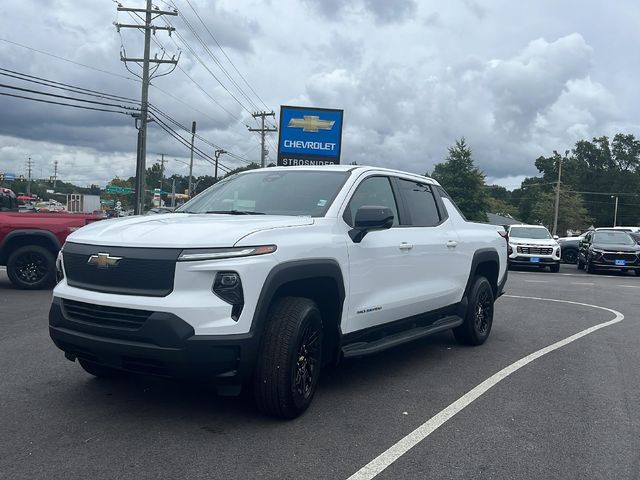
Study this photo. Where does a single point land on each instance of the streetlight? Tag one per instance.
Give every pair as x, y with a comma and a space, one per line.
615, 211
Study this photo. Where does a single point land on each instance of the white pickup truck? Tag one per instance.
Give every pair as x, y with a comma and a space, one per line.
270, 274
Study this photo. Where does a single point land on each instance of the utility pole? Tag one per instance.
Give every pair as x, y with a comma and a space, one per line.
55, 173
161, 170
217, 154
263, 131
29, 167
150, 14
557, 206
193, 135
173, 193
615, 211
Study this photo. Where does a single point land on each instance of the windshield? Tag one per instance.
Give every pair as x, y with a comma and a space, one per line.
613, 238
268, 192
529, 232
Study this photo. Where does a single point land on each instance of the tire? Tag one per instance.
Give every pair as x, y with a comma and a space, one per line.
32, 268
475, 330
289, 359
570, 255
98, 370
555, 268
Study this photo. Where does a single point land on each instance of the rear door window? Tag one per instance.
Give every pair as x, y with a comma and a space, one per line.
420, 203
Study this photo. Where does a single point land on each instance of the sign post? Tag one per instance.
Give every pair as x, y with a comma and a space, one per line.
309, 136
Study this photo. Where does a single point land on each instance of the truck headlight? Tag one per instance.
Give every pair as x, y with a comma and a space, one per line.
198, 254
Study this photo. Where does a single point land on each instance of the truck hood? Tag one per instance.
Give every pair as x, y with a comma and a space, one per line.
608, 247
546, 242
181, 230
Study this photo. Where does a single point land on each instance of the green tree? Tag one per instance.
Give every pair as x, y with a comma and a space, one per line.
463, 181
572, 214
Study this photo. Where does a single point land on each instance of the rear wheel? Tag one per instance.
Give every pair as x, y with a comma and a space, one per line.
289, 361
479, 317
570, 255
31, 268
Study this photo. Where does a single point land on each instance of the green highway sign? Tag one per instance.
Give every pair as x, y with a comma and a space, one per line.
116, 189
107, 202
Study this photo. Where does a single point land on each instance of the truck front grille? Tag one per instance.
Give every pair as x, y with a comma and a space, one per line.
105, 316
139, 271
535, 250
628, 257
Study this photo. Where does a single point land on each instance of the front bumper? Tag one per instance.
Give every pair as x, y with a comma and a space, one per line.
526, 260
164, 345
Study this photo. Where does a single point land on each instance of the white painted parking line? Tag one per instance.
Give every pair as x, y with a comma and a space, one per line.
3, 268
564, 274
535, 281
582, 283
386, 458
628, 286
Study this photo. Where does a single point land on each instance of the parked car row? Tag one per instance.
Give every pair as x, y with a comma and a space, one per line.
613, 248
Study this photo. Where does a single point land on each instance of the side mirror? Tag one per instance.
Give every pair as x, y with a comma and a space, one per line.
370, 218
556, 237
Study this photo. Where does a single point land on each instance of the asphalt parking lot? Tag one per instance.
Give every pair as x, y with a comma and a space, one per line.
571, 412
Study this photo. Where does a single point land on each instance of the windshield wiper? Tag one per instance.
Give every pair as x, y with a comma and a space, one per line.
235, 212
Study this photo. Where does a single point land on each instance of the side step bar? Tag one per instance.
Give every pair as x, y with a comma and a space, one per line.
359, 349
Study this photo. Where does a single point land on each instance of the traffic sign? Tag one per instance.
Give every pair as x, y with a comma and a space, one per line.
117, 189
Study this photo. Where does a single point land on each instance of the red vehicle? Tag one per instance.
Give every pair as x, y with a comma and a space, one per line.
30, 242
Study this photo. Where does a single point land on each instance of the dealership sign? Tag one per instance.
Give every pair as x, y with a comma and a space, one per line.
309, 136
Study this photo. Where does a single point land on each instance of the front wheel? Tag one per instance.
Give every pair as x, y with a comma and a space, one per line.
290, 358
32, 268
479, 317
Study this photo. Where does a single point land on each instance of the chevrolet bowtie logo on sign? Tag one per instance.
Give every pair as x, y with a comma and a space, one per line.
309, 136
311, 123
103, 260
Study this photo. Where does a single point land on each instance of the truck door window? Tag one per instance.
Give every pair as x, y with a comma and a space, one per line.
374, 191
420, 203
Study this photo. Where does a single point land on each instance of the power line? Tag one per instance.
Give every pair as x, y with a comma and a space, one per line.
65, 104
62, 86
215, 59
197, 57
69, 61
66, 97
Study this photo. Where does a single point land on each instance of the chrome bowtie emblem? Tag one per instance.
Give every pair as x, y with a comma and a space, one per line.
311, 123
103, 260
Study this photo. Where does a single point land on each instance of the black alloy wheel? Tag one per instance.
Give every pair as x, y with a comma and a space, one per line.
31, 267
308, 362
290, 358
478, 319
484, 311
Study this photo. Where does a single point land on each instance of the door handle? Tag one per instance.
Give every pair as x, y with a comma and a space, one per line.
452, 244
405, 246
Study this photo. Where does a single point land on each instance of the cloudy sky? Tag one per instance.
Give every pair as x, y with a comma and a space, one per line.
518, 79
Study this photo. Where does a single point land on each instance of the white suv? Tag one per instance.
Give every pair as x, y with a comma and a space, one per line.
533, 245
271, 274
